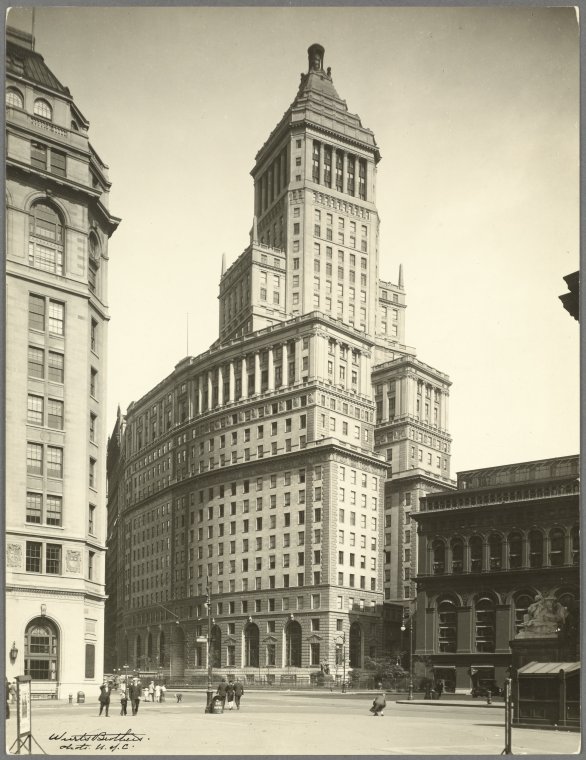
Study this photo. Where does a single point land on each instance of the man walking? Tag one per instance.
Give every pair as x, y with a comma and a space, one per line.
135, 692
238, 692
104, 699
222, 689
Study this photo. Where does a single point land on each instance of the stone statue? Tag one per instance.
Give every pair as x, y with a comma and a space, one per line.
544, 617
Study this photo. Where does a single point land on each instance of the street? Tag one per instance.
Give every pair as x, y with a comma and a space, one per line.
284, 723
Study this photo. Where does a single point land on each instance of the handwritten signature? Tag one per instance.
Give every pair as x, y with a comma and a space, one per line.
100, 740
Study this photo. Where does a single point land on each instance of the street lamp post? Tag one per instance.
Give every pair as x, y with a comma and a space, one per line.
409, 619
210, 691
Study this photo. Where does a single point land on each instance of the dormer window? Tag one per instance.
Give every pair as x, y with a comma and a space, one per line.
14, 98
43, 109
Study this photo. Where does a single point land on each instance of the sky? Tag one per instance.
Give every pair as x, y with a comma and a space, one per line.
475, 112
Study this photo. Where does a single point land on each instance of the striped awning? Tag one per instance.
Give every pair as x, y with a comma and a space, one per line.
547, 668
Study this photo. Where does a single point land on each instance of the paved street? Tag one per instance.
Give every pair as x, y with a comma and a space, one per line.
286, 724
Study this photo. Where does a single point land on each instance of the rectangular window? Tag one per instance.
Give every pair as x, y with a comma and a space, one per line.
55, 414
33, 557
91, 519
56, 318
34, 458
90, 565
92, 473
55, 369
36, 312
36, 362
93, 382
34, 506
53, 559
35, 412
90, 660
54, 510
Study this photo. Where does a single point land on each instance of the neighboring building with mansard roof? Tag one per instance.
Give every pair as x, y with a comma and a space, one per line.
57, 231
255, 464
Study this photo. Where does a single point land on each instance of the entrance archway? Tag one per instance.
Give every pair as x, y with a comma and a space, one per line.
293, 644
355, 645
251, 645
41, 650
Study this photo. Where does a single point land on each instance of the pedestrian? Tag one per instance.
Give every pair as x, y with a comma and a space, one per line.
134, 693
145, 693
157, 693
222, 688
152, 691
238, 692
439, 688
179, 697
104, 699
230, 695
123, 699
163, 690
378, 705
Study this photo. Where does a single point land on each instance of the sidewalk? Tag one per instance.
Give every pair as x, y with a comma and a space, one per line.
450, 703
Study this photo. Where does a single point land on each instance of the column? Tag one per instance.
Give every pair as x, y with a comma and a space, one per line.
321, 163
344, 170
220, 386
386, 401
485, 555
285, 370
271, 370
525, 551
336, 363
244, 378
312, 355
297, 360
399, 397
348, 368
210, 389
232, 382
199, 394
257, 373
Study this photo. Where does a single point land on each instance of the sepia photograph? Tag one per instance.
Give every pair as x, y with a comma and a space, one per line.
292, 380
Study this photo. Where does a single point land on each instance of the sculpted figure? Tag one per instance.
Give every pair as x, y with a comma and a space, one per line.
544, 617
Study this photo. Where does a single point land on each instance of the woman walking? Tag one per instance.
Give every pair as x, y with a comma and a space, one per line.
379, 704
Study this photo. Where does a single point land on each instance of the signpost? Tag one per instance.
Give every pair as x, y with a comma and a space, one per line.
23, 715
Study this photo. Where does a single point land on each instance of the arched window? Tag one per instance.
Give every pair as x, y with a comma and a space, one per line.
476, 554
439, 557
251, 645
521, 605
355, 648
14, 98
575, 539
447, 634
41, 650
557, 540
515, 542
43, 109
216, 647
457, 555
45, 245
495, 551
535, 549
293, 644
93, 261
484, 624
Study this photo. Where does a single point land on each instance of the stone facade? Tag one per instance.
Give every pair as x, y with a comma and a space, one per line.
58, 226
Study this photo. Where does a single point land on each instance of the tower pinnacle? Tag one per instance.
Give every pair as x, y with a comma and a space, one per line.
315, 54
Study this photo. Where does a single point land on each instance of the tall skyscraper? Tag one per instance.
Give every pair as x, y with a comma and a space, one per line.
57, 227
253, 469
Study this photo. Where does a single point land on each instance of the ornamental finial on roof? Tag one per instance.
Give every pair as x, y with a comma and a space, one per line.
315, 55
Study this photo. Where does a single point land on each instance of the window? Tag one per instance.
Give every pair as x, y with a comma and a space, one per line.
485, 625
36, 362
55, 414
56, 367
447, 628
54, 510
36, 312
34, 506
33, 557
90, 565
35, 413
56, 317
14, 98
43, 109
53, 559
93, 382
34, 458
91, 519
45, 248
92, 473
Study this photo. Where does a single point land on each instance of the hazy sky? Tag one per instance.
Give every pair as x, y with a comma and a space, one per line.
475, 111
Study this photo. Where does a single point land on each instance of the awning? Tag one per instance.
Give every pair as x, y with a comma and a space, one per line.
547, 668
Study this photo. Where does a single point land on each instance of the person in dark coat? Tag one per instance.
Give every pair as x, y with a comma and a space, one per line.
230, 695
439, 689
238, 692
378, 705
104, 699
134, 694
123, 699
222, 689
